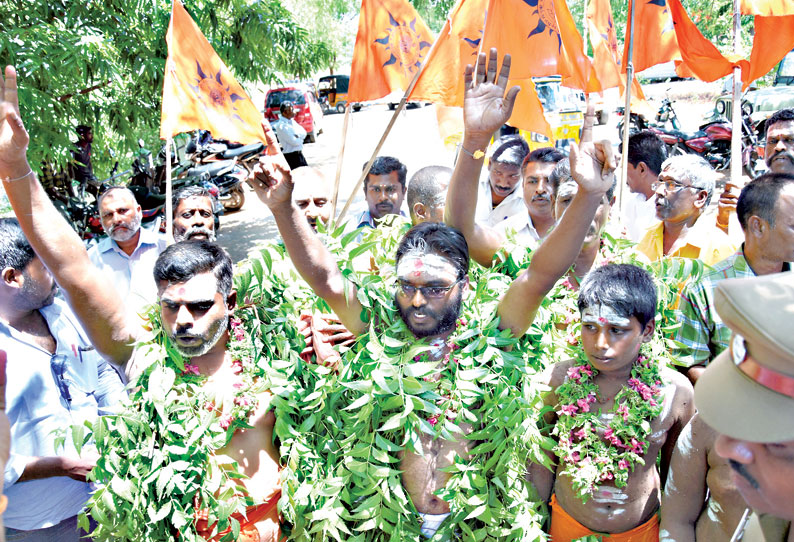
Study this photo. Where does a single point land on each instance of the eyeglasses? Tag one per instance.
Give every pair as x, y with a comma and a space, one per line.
58, 368
670, 185
431, 292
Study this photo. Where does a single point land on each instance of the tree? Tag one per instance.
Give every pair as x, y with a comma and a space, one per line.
102, 63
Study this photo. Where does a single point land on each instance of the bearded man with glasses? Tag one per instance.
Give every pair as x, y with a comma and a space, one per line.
683, 193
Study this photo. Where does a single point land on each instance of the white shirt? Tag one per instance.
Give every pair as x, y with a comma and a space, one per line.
639, 214
521, 224
290, 134
488, 215
131, 275
36, 409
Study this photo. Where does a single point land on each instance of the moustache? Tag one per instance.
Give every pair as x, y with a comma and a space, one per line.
541, 197
741, 470
199, 230
783, 154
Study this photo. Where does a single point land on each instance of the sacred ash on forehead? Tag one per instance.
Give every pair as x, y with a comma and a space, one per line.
416, 263
604, 314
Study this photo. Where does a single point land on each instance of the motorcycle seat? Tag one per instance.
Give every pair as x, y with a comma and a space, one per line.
212, 169
248, 150
686, 136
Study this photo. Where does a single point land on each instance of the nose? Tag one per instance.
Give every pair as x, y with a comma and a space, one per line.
418, 300
184, 319
730, 448
601, 341
311, 210
543, 187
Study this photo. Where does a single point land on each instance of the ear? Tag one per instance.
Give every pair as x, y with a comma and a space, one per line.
231, 300
702, 196
420, 210
464, 283
757, 226
641, 168
12, 277
647, 331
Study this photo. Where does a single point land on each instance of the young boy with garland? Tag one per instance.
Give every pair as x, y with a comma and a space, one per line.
614, 409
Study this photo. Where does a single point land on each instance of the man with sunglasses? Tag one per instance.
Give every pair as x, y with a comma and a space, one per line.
683, 193
432, 262
55, 380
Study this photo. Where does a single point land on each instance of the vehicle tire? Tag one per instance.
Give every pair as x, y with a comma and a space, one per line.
603, 117
340, 108
356, 107
235, 200
392, 106
311, 137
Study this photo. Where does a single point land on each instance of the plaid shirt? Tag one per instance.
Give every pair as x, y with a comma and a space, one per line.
702, 334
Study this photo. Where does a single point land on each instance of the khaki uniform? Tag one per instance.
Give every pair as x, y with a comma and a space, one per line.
766, 528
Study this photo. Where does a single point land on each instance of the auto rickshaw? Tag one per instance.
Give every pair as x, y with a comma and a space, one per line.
332, 91
564, 110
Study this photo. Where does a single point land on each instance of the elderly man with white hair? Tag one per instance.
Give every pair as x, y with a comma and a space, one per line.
683, 192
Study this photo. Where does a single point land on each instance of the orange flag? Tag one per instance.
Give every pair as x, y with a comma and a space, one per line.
441, 80
774, 37
542, 38
700, 55
199, 92
606, 60
391, 43
767, 8
655, 40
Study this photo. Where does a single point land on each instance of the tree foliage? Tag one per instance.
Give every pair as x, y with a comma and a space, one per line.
102, 63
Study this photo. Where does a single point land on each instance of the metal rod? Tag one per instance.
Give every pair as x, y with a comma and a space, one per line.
624, 163
736, 104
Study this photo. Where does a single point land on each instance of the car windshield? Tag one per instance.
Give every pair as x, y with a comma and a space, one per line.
555, 97
785, 73
275, 98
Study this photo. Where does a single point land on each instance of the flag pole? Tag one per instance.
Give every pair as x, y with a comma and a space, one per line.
397, 111
339, 166
169, 231
624, 163
736, 104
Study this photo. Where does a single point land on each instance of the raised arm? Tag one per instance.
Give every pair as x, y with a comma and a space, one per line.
89, 293
593, 169
486, 108
272, 180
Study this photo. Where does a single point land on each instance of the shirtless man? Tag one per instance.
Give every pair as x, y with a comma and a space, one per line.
687, 515
429, 301
617, 305
195, 300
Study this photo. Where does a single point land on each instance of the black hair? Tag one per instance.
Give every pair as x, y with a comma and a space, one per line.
284, 105
82, 129
15, 251
627, 289
184, 260
186, 192
544, 155
383, 165
561, 174
759, 198
437, 238
646, 147
509, 149
782, 115
424, 185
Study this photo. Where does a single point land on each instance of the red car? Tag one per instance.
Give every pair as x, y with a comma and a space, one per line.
308, 112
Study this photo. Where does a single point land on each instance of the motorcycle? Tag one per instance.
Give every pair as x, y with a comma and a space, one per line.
637, 122
229, 163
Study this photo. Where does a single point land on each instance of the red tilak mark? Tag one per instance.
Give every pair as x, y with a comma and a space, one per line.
602, 320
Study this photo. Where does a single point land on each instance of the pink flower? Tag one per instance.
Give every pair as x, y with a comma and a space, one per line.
572, 339
624, 411
226, 421
606, 475
446, 359
239, 334
637, 446
237, 366
191, 369
584, 404
575, 457
433, 420
586, 369
567, 284
242, 401
580, 434
623, 464
570, 410
573, 372
209, 405
238, 385
236, 322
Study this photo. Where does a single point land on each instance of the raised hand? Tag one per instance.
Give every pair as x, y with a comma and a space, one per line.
486, 107
272, 176
13, 136
592, 164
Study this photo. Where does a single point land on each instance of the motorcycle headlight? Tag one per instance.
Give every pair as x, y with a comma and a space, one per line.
540, 138
720, 107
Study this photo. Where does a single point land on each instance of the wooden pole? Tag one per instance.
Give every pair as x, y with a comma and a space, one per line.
736, 104
339, 166
169, 222
624, 163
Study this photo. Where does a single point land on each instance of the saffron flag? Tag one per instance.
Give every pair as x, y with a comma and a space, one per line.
606, 60
655, 40
542, 39
199, 92
441, 80
700, 55
391, 44
767, 8
774, 37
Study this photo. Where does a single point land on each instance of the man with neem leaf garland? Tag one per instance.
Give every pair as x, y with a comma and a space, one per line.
430, 367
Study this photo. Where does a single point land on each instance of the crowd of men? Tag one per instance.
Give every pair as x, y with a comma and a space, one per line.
726, 447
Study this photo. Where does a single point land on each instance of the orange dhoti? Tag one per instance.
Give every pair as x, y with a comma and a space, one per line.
565, 528
265, 513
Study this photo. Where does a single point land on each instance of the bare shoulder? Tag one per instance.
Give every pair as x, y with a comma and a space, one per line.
703, 436
554, 375
681, 389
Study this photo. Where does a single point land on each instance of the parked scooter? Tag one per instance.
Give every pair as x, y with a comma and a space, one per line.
228, 167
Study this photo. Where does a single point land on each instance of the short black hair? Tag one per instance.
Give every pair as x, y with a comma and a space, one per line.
424, 185
284, 105
383, 165
186, 192
82, 129
627, 289
647, 147
759, 198
437, 238
184, 260
781, 115
15, 251
509, 149
561, 174
545, 155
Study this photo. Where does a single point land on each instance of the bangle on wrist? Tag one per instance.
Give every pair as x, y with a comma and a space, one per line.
18, 178
477, 155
